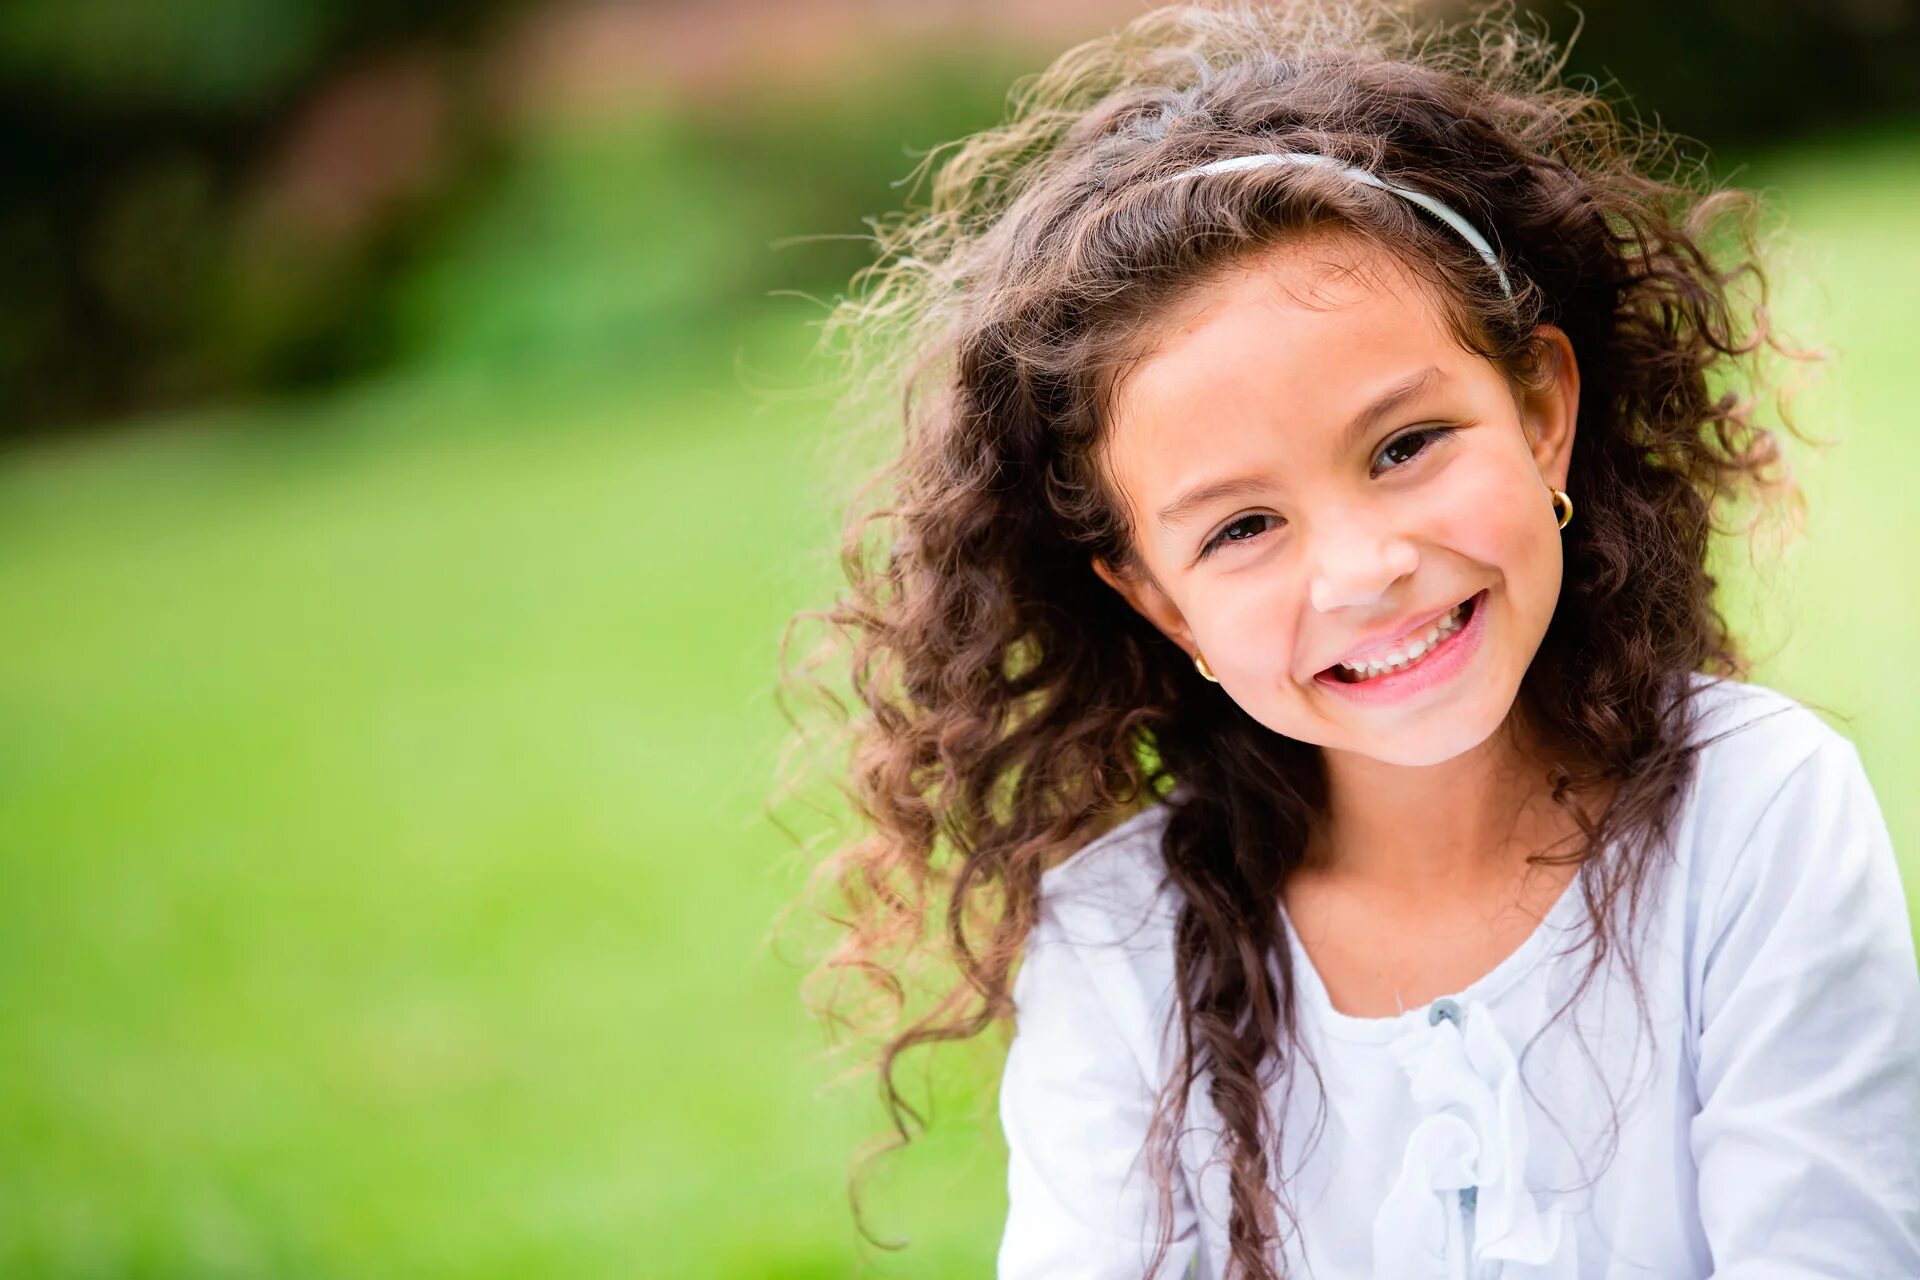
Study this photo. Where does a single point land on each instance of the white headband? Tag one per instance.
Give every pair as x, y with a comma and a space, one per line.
1427, 202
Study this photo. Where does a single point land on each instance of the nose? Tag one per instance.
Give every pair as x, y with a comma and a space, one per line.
1356, 560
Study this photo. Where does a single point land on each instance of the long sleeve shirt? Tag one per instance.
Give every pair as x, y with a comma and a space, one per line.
1769, 1128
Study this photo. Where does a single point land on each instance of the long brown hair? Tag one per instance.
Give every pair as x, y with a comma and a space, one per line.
1008, 706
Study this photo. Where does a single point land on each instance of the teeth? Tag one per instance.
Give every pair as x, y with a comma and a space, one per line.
1400, 659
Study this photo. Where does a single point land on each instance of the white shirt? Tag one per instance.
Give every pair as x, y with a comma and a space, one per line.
1770, 1130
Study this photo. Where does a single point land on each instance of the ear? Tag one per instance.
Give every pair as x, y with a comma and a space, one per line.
1548, 414
1148, 600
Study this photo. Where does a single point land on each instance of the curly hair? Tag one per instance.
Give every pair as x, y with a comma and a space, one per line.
1009, 706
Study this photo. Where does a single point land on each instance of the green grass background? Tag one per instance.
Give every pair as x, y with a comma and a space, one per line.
386, 885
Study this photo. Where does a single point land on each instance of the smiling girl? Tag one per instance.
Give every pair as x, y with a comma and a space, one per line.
1292, 688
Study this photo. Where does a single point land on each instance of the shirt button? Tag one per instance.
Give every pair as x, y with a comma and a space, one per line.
1444, 1008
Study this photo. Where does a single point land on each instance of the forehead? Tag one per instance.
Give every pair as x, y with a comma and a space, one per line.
1295, 337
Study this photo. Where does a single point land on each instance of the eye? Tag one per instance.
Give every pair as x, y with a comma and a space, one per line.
1401, 450
1242, 529
1413, 444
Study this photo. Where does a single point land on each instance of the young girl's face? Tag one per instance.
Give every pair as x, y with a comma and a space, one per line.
1316, 471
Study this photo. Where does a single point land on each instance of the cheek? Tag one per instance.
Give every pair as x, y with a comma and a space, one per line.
1499, 516
1247, 620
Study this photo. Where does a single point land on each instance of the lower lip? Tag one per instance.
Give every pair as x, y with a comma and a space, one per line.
1437, 666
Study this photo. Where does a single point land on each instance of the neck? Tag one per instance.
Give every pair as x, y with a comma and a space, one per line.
1419, 830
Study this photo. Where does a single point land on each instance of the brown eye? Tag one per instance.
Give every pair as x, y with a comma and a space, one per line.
1412, 445
1243, 529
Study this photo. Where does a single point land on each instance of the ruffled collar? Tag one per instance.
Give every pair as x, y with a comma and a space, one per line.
1460, 1209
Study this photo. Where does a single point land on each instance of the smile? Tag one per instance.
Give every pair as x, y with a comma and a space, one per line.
1429, 658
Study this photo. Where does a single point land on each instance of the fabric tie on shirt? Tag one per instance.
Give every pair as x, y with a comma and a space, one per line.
1472, 1134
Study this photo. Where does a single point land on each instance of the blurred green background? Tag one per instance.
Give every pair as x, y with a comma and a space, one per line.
412, 452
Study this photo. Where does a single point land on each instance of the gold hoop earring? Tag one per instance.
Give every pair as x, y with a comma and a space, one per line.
1200, 665
1562, 506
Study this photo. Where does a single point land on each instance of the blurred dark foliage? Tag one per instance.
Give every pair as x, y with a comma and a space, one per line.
148, 260
1742, 73
219, 197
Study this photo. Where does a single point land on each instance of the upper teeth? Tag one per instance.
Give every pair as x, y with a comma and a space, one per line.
1409, 653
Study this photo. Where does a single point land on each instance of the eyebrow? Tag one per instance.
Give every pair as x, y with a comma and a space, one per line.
1411, 387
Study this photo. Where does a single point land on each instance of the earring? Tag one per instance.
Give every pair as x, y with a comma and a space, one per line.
1200, 665
1561, 500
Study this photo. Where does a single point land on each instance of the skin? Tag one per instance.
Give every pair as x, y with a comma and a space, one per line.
1416, 879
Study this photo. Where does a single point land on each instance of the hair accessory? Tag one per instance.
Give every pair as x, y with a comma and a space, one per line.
1466, 229
1200, 665
1560, 501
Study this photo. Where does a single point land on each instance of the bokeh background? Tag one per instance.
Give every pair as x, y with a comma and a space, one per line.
411, 448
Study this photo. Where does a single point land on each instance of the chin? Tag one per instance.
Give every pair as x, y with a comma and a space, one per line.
1433, 747
1435, 736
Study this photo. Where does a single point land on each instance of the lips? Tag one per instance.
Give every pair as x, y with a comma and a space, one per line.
1390, 641
1436, 669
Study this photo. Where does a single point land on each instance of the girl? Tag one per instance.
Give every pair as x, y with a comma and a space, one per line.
1289, 640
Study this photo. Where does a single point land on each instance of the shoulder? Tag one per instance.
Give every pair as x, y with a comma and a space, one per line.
1768, 769
1106, 922
1751, 740
1800, 904
1114, 882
